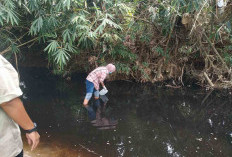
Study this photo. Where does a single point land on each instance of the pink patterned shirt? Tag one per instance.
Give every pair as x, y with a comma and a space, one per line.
97, 75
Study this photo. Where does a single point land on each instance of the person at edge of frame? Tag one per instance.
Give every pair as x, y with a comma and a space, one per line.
13, 114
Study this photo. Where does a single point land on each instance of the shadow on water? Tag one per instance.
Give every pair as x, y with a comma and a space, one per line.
133, 120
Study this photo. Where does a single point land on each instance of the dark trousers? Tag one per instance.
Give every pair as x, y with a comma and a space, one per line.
20, 154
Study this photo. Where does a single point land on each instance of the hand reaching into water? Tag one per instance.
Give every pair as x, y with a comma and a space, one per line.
33, 139
103, 91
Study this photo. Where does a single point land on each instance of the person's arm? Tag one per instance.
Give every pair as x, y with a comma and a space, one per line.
17, 112
102, 78
103, 85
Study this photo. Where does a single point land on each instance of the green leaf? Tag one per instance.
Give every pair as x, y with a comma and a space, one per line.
111, 23
116, 37
160, 51
92, 34
14, 48
78, 19
52, 47
11, 17
82, 27
123, 8
107, 37
36, 26
70, 48
66, 35
33, 5
9, 4
67, 3
104, 23
2, 18
52, 21
183, 2
61, 57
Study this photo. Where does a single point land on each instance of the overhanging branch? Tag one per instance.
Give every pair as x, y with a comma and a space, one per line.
9, 48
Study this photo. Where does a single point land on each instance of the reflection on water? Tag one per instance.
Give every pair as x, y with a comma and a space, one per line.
97, 114
133, 121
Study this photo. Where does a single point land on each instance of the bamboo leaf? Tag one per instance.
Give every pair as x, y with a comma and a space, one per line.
70, 48
66, 35
11, 16
67, 3
61, 57
32, 5
52, 47
36, 26
78, 19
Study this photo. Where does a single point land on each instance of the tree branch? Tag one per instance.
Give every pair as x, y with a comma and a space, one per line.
9, 48
209, 81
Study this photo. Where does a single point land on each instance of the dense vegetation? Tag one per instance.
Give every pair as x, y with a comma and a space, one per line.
149, 41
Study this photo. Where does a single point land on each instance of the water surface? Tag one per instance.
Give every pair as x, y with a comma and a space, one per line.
135, 121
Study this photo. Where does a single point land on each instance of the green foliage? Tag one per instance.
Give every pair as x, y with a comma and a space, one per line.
8, 13
228, 55
160, 51
123, 68
52, 47
69, 26
122, 53
100, 28
58, 54
36, 26
14, 48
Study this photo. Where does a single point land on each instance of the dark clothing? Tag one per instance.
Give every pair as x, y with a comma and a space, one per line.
20, 155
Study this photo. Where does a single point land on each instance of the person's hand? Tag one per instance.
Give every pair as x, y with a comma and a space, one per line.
104, 87
33, 139
85, 105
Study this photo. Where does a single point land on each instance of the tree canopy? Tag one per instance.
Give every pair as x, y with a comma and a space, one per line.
148, 41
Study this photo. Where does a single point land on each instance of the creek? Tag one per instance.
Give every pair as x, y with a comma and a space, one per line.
132, 120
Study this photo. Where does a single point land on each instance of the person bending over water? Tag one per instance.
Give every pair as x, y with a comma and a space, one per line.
96, 77
12, 114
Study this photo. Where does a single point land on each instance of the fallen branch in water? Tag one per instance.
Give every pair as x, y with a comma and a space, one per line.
172, 86
181, 77
206, 97
208, 79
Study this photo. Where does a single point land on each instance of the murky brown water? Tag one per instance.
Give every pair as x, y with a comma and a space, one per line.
55, 146
143, 121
